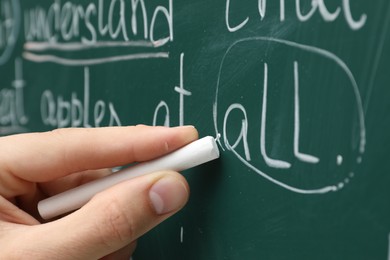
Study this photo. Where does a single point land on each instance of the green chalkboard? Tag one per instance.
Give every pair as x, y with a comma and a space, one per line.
298, 93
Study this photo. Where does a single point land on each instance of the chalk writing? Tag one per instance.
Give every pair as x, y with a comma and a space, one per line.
244, 124
75, 46
59, 112
243, 134
339, 160
71, 27
12, 115
66, 22
237, 27
270, 162
9, 27
317, 6
244, 130
273, 81
64, 27
301, 156
181, 235
182, 93
388, 250
93, 61
162, 105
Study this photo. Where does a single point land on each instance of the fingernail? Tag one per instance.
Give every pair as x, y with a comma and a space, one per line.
167, 195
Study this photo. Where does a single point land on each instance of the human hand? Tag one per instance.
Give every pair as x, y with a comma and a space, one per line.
39, 165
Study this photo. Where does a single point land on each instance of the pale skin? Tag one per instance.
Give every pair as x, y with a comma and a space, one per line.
38, 165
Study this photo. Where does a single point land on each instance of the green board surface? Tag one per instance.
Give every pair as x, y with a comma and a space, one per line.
297, 92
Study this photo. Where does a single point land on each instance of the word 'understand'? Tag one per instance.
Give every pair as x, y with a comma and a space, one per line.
108, 20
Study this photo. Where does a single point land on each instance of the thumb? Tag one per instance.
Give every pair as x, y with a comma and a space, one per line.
116, 217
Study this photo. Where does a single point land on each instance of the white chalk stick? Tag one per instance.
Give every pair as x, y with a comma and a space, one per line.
191, 155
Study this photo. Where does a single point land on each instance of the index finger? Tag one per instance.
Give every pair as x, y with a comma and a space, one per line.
42, 157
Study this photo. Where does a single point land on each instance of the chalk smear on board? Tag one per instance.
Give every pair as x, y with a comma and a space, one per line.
339, 160
359, 160
181, 235
388, 250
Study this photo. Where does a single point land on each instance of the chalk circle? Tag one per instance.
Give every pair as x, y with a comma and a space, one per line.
230, 147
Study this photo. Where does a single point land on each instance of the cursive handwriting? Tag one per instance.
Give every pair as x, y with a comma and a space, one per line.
59, 112
182, 93
66, 22
317, 6
12, 115
9, 28
245, 136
